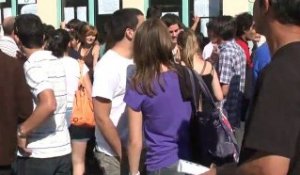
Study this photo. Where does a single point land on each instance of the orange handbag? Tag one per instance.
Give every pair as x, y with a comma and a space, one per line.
82, 114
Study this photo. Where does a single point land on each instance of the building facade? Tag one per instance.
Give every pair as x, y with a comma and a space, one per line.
97, 11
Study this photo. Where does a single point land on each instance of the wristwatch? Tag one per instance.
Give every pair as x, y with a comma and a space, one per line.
20, 133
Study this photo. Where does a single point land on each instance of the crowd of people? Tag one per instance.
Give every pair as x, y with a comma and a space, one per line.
141, 97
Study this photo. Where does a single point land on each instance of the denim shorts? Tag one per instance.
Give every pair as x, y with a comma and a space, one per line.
170, 170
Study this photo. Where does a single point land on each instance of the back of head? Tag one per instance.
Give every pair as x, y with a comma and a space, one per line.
8, 25
171, 19
244, 21
120, 21
150, 56
154, 12
30, 31
48, 30
74, 24
157, 50
58, 42
225, 27
210, 25
286, 11
188, 44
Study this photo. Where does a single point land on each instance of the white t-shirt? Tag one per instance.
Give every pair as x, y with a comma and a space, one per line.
207, 51
110, 82
45, 71
72, 69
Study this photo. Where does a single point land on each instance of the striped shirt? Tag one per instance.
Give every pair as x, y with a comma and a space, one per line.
8, 46
232, 71
44, 71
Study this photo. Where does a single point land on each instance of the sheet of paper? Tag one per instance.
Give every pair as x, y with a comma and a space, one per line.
81, 13
203, 28
30, 8
190, 167
175, 13
7, 12
26, 1
108, 6
68, 14
2, 1
201, 8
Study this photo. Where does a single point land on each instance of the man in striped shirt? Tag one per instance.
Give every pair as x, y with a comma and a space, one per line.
7, 43
43, 139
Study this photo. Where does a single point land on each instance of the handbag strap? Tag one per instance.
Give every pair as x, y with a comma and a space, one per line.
193, 87
205, 89
81, 63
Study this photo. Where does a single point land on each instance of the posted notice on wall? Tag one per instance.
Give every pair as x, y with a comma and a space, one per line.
108, 6
206, 8
7, 12
26, 1
201, 8
30, 8
69, 13
175, 13
82, 13
1, 1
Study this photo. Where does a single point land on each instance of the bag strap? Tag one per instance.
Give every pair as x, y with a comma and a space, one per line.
81, 63
193, 87
205, 90
203, 68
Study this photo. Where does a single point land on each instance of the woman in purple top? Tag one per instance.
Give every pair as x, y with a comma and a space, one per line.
155, 104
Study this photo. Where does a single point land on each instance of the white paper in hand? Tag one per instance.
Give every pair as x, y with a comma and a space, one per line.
190, 167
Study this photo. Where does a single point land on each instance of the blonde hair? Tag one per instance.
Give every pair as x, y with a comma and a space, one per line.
188, 45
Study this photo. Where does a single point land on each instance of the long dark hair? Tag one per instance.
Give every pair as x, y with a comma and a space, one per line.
149, 57
58, 42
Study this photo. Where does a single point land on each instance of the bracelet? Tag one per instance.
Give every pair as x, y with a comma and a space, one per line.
20, 133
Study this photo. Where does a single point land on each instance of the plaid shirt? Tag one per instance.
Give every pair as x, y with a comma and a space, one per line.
232, 71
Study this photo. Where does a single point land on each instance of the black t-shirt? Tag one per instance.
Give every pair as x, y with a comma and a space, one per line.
273, 125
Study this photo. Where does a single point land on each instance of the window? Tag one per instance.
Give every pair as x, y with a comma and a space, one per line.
206, 9
26, 6
168, 6
103, 15
5, 9
74, 9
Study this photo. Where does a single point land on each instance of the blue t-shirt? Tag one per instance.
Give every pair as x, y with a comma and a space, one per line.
165, 121
262, 57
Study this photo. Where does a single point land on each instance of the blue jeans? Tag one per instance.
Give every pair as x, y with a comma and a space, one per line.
171, 170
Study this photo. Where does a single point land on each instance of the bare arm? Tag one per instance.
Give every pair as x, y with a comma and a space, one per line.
218, 93
261, 164
102, 109
43, 110
265, 165
225, 89
196, 22
96, 54
135, 139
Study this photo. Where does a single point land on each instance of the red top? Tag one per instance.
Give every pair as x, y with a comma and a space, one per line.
245, 47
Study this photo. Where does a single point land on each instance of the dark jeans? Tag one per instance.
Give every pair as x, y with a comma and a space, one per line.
44, 166
5, 170
171, 170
